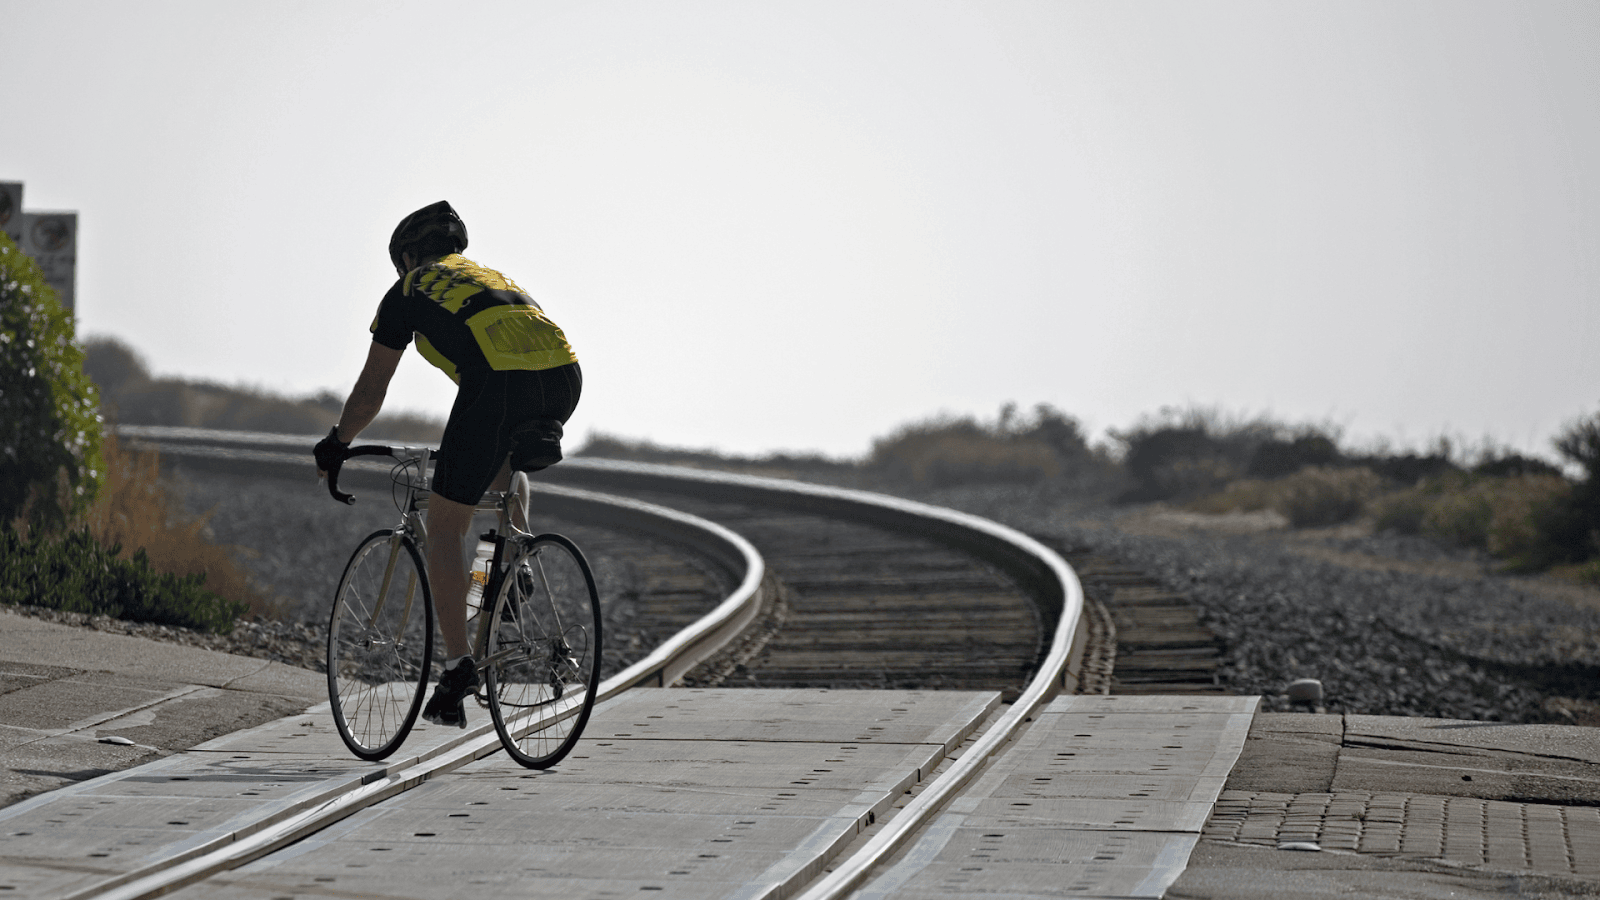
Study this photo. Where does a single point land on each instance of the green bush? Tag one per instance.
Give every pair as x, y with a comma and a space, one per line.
1569, 529
1407, 469
1313, 497
1044, 446
946, 452
1498, 514
50, 461
75, 573
1187, 453
1277, 457
1319, 496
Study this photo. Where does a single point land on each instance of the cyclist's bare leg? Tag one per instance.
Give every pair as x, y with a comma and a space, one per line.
448, 522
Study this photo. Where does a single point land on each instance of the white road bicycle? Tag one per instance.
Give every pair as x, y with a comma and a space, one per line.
536, 627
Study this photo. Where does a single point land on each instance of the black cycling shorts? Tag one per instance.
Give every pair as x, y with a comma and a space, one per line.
489, 408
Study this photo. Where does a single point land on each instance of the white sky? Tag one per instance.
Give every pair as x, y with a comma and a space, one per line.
797, 225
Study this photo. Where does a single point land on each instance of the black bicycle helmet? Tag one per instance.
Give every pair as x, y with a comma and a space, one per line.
435, 226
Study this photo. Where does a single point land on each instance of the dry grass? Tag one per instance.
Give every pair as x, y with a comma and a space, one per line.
1314, 497
136, 511
1490, 513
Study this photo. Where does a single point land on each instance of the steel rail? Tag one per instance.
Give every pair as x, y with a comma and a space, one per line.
1040, 571
665, 664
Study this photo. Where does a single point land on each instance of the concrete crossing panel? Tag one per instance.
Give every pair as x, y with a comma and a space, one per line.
900, 717
1036, 825
671, 792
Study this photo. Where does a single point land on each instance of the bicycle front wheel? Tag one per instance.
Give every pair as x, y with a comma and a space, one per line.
380, 641
542, 662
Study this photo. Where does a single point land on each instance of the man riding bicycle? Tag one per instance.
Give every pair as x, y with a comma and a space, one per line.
518, 380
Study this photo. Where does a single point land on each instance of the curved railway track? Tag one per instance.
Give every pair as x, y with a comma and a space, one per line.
860, 606
829, 588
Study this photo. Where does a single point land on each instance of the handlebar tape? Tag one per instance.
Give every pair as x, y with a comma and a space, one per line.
333, 473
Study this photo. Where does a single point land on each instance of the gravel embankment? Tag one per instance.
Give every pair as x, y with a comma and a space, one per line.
1392, 626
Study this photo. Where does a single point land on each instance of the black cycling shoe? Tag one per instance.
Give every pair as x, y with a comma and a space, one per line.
445, 707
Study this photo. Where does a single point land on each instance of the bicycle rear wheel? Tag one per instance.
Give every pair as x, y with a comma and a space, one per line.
380, 641
542, 662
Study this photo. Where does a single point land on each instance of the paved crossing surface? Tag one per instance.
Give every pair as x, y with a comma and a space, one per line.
715, 793
694, 793
685, 793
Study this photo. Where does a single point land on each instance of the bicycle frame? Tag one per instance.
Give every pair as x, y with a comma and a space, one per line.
504, 504
532, 664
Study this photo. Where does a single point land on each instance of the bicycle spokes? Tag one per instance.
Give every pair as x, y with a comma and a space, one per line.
544, 650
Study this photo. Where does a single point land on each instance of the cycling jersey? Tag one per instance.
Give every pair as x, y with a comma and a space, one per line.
468, 318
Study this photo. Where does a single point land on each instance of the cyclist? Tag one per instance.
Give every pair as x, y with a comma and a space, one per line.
518, 380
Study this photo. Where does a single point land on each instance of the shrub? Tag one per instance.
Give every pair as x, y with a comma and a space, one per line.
1498, 514
137, 513
1402, 512
1310, 498
946, 452
1518, 504
1044, 446
1580, 443
1188, 453
1507, 464
1407, 469
1278, 456
50, 465
1569, 527
1244, 495
77, 573
1319, 496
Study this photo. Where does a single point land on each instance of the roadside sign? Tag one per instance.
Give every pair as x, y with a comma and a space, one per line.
51, 238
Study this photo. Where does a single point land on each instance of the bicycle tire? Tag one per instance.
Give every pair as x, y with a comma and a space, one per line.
379, 648
542, 659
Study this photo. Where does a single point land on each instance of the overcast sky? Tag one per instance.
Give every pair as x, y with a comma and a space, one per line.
798, 225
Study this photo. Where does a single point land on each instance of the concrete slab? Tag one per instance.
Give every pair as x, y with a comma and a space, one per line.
1233, 872
17, 675
1033, 825
821, 764
84, 700
25, 640
797, 715
1555, 763
1565, 742
64, 689
1289, 752
693, 813
980, 862
57, 761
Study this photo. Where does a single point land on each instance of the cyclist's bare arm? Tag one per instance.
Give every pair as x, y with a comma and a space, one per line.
366, 398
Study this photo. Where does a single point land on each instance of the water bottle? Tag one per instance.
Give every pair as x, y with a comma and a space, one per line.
478, 577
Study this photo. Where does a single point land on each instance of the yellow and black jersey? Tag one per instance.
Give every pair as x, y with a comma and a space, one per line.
469, 318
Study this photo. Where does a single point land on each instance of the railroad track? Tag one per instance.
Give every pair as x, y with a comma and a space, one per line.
825, 588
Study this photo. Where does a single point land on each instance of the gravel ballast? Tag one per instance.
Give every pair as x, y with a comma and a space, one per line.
1390, 625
